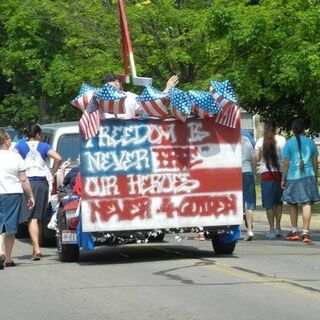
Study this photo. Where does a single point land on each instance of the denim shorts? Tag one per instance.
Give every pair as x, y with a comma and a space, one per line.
249, 191
271, 193
9, 212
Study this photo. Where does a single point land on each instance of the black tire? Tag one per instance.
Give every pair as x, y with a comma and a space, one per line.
66, 252
221, 247
208, 235
158, 238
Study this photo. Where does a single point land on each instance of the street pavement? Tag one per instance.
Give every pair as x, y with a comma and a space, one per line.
177, 279
260, 216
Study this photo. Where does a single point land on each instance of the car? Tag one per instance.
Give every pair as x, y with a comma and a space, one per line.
64, 138
12, 132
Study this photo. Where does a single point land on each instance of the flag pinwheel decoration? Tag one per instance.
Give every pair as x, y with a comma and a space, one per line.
180, 103
82, 100
223, 93
154, 102
111, 99
203, 104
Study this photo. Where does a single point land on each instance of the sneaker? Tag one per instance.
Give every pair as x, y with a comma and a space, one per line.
249, 236
292, 236
278, 233
270, 235
306, 238
200, 237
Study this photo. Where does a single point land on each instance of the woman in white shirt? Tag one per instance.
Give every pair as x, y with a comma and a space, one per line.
269, 153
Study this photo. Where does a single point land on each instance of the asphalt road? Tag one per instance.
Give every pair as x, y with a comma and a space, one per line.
179, 278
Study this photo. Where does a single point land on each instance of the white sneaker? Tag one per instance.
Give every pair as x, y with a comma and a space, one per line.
270, 235
278, 233
249, 236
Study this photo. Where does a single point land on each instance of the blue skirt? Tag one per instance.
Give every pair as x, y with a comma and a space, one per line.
9, 212
304, 190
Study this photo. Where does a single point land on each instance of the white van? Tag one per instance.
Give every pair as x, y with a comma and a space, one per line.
64, 138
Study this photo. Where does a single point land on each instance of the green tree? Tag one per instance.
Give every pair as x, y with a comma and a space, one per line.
48, 49
271, 53
268, 49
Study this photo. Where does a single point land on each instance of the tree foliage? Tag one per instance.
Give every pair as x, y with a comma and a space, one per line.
268, 49
272, 56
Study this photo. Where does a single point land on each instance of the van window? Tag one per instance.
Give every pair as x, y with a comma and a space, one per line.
69, 147
47, 138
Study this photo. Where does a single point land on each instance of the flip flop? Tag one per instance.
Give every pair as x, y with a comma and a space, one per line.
36, 257
2, 259
10, 264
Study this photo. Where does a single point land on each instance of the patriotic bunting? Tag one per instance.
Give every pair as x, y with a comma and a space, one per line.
90, 120
224, 89
110, 99
154, 102
82, 100
203, 104
180, 104
221, 102
223, 93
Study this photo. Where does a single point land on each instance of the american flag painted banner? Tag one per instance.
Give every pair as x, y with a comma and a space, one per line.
82, 100
90, 120
223, 93
154, 102
110, 99
180, 104
203, 104
151, 174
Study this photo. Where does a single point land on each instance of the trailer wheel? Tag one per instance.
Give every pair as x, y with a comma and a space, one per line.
221, 247
66, 252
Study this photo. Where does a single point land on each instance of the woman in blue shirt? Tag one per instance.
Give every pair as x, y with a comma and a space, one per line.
299, 179
34, 152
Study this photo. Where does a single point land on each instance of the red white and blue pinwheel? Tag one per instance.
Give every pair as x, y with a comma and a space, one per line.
180, 103
110, 99
82, 100
203, 104
154, 102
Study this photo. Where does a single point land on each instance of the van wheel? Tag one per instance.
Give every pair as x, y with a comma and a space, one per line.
221, 247
48, 235
66, 252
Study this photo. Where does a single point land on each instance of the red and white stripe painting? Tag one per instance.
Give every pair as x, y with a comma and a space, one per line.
151, 174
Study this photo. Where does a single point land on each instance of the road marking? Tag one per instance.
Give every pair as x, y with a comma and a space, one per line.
284, 284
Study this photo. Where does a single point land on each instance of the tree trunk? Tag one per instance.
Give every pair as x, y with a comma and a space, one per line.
42, 103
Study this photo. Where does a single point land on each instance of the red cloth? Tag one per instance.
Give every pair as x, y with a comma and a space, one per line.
271, 176
77, 185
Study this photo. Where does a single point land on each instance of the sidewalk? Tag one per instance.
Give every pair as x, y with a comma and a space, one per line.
260, 216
